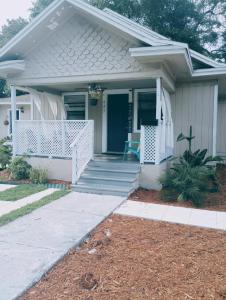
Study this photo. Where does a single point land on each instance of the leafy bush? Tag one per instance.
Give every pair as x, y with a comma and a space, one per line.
187, 183
19, 168
38, 176
5, 154
190, 177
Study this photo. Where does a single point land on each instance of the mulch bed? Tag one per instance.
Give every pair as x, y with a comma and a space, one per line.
130, 258
214, 201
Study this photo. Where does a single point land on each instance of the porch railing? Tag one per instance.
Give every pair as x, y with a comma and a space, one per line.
154, 146
82, 150
46, 138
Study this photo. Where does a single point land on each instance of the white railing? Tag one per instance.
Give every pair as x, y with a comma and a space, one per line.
82, 150
46, 138
154, 145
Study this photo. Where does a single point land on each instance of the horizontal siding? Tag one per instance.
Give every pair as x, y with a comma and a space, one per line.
221, 128
192, 104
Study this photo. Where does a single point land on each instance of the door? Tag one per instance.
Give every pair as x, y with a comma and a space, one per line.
117, 122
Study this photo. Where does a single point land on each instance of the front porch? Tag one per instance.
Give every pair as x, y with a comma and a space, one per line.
87, 126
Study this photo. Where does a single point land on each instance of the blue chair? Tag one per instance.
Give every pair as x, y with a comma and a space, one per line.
132, 147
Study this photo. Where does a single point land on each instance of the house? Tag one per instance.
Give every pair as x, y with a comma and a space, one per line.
97, 80
23, 112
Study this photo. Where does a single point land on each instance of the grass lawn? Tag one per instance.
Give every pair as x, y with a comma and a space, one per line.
21, 191
137, 259
30, 207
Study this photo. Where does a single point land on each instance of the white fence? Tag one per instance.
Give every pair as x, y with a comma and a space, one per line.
46, 138
154, 144
82, 150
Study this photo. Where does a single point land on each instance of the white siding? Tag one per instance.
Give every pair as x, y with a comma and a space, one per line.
192, 104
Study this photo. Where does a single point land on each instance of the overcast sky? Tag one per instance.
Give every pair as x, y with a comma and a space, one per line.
10, 9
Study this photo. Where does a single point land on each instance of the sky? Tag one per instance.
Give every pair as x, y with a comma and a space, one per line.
11, 9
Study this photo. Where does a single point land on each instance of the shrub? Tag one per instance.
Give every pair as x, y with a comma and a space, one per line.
5, 154
183, 182
19, 168
190, 177
38, 176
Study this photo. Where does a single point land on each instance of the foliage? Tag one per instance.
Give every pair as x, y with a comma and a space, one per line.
5, 154
39, 6
21, 191
190, 177
38, 176
187, 183
197, 158
10, 29
19, 168
194, 22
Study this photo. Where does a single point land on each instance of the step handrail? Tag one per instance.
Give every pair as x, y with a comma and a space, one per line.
82, 150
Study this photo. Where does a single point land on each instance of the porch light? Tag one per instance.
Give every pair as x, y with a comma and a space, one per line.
95, 93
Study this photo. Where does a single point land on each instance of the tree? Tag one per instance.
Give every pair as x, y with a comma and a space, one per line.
129, 8
10, 29
38, 7
194, 22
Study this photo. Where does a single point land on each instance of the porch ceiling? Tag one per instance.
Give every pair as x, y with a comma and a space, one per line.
72, 87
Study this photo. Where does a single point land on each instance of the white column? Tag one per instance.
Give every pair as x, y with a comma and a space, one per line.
158, 117
215, 112
13, 110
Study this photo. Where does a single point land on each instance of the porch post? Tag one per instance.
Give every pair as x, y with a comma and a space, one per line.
158, 118
13, 116
215, 112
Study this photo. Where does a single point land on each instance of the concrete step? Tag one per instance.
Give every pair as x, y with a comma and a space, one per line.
111, 170
108, 181
108, 174
116, 165
103, 189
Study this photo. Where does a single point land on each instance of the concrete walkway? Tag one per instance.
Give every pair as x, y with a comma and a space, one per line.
8, 206
173, 214
31, 245
4, 187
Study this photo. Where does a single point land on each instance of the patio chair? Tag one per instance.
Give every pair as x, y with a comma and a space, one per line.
132, 147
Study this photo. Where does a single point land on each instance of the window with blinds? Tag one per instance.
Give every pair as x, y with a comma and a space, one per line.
75, 106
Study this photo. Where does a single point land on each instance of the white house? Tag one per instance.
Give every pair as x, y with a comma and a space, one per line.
97, 80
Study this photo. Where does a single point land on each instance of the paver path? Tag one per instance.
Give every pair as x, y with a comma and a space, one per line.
180, 215
31, 245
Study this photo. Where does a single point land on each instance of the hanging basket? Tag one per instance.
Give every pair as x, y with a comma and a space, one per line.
6, 122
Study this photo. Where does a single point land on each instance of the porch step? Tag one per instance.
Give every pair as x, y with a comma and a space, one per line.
109, 178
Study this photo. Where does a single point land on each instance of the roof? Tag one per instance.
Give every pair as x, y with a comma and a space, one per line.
147, 37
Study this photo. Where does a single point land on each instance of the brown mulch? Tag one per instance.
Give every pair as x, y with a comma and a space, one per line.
214, 201
130, 258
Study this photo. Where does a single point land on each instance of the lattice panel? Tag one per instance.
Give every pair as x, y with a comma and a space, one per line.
83, 148
150, 135
47, 138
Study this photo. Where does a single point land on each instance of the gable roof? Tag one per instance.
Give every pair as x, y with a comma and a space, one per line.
108, 17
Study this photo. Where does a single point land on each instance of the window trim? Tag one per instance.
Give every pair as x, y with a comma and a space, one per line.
135, 106
79, 94
10, 120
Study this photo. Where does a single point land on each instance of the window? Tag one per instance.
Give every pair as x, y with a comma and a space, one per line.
10, 119
76, 106
144, 108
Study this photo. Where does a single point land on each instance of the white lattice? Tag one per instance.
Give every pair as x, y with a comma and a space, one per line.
149, 143
82, 150
47, 138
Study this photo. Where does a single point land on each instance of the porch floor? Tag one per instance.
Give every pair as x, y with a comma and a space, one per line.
116, 157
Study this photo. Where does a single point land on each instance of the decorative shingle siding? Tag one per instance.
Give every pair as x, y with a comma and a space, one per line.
80, 48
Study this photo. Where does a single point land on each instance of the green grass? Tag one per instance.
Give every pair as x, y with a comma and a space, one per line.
31, 207
21, 191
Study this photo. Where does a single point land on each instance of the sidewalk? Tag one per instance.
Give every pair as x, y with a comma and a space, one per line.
31, 245
173, 214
